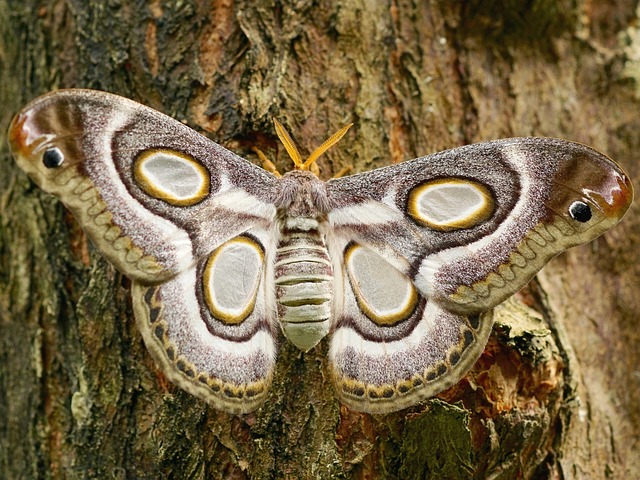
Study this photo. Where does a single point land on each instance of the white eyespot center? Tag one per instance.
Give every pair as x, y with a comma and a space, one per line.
231, 279
450, 204
171, 176
384, 294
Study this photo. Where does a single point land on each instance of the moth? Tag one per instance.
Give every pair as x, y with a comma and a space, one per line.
401, 265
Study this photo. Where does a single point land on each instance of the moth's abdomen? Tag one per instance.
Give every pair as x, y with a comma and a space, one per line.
303, 279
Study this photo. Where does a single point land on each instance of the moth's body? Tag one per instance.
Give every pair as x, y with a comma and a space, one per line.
303, 271
402, 265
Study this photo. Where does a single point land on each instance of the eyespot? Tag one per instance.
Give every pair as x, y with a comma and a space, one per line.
52, 157
448, 204
580, 211
171, 176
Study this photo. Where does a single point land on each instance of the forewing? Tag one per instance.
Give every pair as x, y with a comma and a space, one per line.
152, 194
472, 225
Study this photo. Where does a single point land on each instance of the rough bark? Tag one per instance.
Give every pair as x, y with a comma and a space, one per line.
555, 393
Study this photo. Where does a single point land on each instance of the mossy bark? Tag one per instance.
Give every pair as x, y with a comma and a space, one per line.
555, 393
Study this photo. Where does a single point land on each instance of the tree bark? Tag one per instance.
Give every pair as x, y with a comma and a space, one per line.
555, 394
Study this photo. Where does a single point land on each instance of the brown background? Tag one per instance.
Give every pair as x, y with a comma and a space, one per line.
556, 393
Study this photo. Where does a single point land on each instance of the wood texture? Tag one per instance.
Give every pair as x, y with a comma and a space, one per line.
555, 393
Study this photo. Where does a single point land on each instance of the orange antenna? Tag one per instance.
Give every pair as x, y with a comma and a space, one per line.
287, 141
293, 152
328, 143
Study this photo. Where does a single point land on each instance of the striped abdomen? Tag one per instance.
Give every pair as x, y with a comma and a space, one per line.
303, 279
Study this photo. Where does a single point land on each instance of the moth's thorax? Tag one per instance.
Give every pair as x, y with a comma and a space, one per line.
302, 194
303, 269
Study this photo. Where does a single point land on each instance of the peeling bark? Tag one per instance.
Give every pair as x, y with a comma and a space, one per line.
555, 393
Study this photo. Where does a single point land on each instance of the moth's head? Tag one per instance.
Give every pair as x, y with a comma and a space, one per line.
36, 143
589, 191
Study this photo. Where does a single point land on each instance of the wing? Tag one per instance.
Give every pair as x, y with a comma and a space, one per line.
391, 345
211, 328
188, 221
426, 248
152, 194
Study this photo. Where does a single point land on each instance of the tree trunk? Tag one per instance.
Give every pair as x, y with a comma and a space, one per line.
555, 395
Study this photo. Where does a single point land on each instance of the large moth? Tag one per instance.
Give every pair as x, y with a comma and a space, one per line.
401, 265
